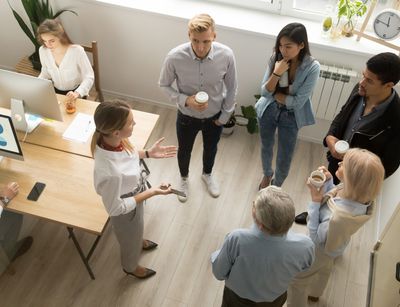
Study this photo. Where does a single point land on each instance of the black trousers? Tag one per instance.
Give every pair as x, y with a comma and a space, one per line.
231, 299
61, 92
186, 129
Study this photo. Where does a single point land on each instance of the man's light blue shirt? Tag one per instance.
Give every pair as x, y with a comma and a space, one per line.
215, 75
258, 266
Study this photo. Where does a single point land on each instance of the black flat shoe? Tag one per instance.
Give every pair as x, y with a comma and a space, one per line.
313, 299
301, 218
149, 273
150, 245
25, 245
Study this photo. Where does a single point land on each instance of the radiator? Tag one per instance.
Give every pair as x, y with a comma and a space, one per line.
333, 87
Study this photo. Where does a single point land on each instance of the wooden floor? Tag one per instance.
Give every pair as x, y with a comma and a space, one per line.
52, 273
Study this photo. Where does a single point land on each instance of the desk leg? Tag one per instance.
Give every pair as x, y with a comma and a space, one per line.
78, 247
95, 243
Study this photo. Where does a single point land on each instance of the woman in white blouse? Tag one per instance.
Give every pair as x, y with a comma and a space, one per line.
121, 182
66, 64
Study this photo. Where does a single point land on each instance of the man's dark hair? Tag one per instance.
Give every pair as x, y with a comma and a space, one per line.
386, 66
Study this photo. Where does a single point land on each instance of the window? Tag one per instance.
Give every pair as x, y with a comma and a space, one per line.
304, 9
266, 5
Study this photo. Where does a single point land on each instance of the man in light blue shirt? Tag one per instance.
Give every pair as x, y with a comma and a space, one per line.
201, 65
258, 264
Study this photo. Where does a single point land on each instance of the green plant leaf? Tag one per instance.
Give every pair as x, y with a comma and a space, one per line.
252, 126
23, 25
62, 11
249, 111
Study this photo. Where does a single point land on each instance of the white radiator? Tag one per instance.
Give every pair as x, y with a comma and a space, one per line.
332, 90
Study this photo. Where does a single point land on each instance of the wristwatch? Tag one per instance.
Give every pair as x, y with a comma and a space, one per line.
5, 200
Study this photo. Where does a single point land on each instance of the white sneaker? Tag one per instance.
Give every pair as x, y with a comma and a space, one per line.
184, 187
212, 185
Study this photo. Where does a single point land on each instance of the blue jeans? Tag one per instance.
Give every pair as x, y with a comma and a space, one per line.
277, 117
186, 129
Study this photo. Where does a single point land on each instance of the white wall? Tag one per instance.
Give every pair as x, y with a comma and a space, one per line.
133, 44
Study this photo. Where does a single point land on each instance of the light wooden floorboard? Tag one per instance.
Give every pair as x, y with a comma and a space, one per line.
52, 274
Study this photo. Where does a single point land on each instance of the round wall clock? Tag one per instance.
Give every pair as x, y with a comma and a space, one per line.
387, 24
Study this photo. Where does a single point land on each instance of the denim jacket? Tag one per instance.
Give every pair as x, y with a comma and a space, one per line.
299, 98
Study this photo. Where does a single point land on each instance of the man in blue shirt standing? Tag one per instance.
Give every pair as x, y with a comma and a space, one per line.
258, 263
201, 65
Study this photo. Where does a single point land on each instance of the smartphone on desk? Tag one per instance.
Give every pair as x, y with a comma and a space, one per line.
36, 191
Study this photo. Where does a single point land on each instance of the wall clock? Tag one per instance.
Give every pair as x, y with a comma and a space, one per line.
387, 24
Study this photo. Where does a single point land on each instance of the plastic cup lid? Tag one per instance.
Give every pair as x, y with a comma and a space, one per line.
201, 97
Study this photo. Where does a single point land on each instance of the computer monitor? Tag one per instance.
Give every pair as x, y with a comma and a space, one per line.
29, 99
9, 145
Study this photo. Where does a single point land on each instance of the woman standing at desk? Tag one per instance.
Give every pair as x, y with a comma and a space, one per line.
66, 64
120, 181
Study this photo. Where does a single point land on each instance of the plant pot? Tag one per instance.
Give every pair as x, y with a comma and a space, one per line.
229, 127
35, 60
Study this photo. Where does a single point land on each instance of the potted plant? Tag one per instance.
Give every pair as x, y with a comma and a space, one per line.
248, 118
37, 11
350, 10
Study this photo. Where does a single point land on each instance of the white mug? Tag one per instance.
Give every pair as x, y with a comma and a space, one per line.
317, 178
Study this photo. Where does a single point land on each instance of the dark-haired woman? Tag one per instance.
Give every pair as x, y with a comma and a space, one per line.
285, 102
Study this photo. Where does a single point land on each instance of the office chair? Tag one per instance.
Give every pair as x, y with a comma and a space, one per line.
95, 93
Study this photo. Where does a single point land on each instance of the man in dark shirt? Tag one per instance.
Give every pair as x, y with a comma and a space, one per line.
370, 118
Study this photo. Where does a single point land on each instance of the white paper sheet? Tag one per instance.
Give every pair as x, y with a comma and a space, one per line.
81, 128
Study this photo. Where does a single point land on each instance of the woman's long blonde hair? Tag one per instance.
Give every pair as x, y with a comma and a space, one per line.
363, 175
109, 117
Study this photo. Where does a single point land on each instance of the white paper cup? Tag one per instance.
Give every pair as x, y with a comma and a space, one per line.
341, 147
201, 97
317, 178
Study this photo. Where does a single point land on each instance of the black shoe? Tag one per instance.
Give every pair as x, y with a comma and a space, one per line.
24, 245
313, 299
149, 273
149, 245
301, 218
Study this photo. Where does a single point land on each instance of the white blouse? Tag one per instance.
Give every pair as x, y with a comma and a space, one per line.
75, 70
116, 174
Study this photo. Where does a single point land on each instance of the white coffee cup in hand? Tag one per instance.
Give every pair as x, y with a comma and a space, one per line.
341, 147
317, 178
201, 97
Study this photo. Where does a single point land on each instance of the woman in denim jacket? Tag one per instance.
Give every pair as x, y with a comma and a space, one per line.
285, 102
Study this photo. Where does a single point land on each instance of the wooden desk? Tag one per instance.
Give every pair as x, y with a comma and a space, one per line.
69, 197
66, 167
49, 133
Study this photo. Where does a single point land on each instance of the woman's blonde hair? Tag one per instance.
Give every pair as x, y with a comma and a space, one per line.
53, 27
274, 209
363, 175
201, 23
109, 117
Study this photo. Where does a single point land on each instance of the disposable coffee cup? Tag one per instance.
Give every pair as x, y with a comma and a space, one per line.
317, 178
341, 147
201, 97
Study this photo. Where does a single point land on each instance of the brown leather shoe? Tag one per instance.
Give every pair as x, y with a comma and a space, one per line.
24, 245
265, 181
313, 299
